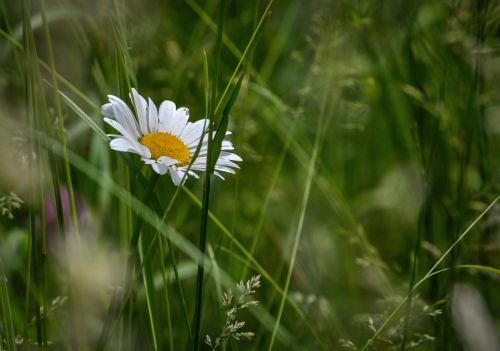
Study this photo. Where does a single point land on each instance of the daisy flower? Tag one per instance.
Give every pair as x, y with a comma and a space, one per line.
164, 138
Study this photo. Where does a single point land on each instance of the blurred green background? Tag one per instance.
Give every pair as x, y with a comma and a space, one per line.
389, 112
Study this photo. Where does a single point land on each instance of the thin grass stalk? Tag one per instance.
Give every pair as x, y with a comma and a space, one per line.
39, 120
36, 283
185, 312
230, 45
8, 27
248, 49
148, 240
206, 187
41, 117
303, 207
126, 79
248, 67
6, 311
416, 252
149, 290
62, 136
267, 199
30, 109
418, 239
201, 245
42, 255
125, 62
170, 248
31, 228
164, 278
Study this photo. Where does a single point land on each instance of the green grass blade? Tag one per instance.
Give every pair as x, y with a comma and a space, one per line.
221, 129
6, 312
150, 301
164, 277
62, 136
85, 117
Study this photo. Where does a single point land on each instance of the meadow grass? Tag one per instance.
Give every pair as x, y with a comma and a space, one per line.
365, 214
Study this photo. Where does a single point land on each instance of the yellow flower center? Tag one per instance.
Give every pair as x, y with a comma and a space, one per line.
165, 144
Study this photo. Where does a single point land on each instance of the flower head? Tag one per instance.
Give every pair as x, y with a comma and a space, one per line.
164, 137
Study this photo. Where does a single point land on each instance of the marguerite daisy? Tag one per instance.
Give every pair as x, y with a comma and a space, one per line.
164, 138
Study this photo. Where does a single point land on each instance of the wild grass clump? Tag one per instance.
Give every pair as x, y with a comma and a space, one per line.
232, 304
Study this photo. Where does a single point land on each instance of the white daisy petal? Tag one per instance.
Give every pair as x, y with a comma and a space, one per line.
152, 117
125, 145
230, 156
119, 128
203, 149
148, 161
160, 168
222, 161
123, 115
181, 116
226, 145
219, 175
107, 110
201, 168
191, 134
167, 161
225, 169
225, 162
141, 107
191, 173
166, 116
176, 175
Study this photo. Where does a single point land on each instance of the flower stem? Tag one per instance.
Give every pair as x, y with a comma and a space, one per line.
201, 265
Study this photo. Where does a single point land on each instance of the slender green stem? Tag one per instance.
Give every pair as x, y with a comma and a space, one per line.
206, 187
6, 312
185, 314
298, 234
201, 265
164, 278
62, 136
416, 250
36, 284
148, 287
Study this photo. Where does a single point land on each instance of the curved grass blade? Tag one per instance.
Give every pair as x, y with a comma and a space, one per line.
84, 116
